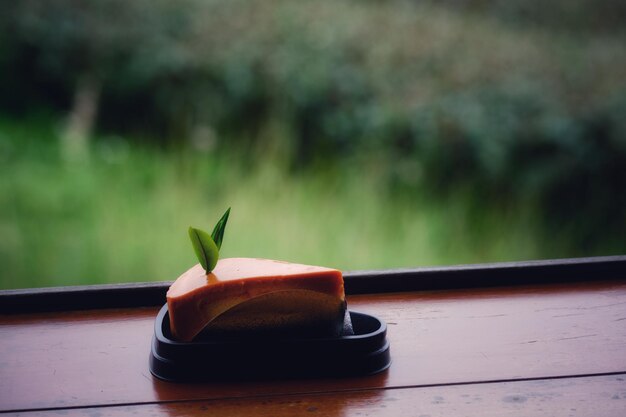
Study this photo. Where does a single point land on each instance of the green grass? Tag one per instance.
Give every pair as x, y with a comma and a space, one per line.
122, 215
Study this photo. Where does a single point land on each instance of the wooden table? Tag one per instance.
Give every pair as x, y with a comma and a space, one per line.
528, 349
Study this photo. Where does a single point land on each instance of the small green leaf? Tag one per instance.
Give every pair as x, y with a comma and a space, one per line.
218, 231
205, 248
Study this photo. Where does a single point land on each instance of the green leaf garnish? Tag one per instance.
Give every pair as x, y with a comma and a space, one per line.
218, 231
205, 248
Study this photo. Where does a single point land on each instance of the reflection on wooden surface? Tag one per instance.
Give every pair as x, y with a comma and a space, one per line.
602, 396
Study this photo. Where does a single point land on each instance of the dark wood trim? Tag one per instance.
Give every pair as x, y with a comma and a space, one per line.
356, 282
488, 275
84, 297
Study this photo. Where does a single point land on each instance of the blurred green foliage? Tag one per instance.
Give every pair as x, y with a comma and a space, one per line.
514, 103
123, 215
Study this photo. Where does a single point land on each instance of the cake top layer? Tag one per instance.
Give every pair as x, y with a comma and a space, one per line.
233, 269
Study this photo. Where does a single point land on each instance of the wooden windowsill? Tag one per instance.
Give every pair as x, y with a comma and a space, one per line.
525, 348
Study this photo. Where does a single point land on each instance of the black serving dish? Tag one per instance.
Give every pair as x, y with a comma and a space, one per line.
363, 353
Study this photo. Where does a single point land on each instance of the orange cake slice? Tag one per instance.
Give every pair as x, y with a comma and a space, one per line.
251, 295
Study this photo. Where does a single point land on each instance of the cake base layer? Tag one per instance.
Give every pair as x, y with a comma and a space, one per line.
293, 312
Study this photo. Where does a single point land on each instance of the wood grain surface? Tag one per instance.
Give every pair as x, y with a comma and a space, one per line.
603, 396
100, 357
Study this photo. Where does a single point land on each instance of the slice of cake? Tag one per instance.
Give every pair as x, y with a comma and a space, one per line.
248, 295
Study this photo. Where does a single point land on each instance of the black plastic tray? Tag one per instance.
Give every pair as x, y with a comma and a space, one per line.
363, 353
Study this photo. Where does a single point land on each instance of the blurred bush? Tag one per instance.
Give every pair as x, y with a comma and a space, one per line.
519, 100
605, 16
